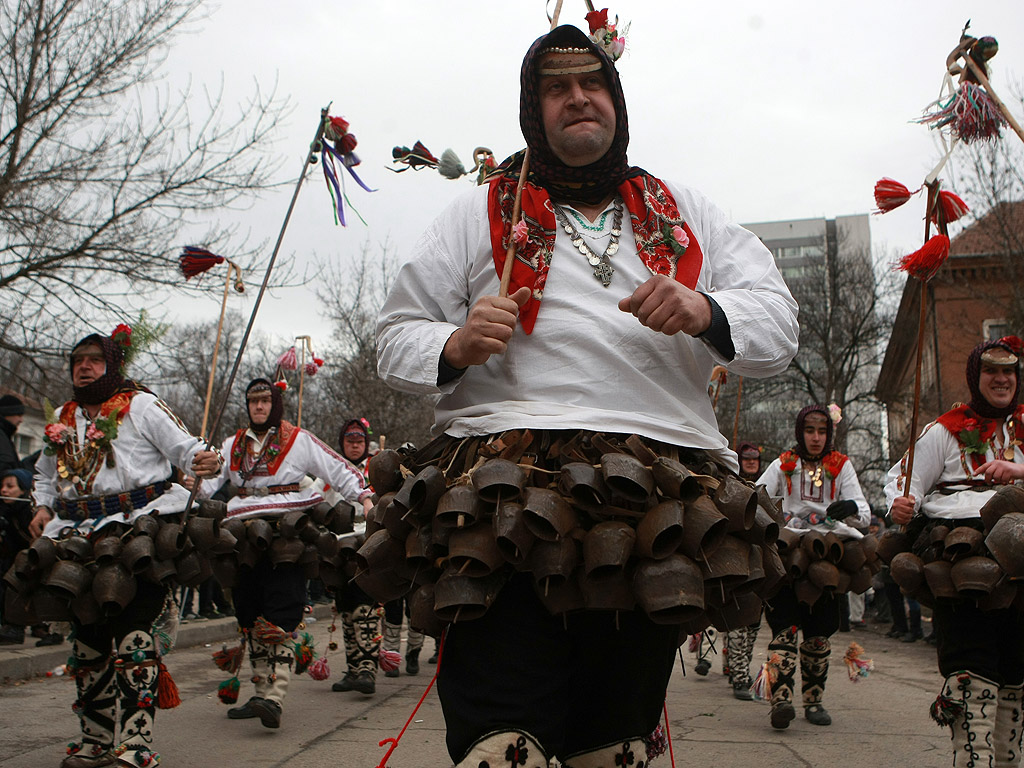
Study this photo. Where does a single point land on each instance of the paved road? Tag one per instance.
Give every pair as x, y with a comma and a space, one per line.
881, 721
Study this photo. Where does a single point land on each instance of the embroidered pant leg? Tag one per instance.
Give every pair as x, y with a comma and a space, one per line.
392, 636
783, 646
1006, 734
511, 748
814, 657
976, 702
137, 673
740, 645
630, 753
96, 706
280, 658
259, 660
366, 640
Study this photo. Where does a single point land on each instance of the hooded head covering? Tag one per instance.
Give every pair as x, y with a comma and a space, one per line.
11, 405
801, 417
355, 427
23, 476
261, 385
589, 183
747, 450
112, 381
1005, 351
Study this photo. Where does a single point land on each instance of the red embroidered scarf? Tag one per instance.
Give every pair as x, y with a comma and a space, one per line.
651, 209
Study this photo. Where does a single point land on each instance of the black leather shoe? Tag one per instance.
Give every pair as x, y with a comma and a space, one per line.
10, 635
782, 715
269, 712
912, 637
345, 684
742, 692
364, 683
412, 662
51, 639
82, 761
244, 712
702, 667
433, 658
817, 715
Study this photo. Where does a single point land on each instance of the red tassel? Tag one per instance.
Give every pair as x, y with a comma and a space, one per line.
952, 207
194, 261
890, 194
269, 633
230, 659
925, 262
228, 690
166, 691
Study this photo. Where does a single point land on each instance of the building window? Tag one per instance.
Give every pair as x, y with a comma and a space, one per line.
994, 329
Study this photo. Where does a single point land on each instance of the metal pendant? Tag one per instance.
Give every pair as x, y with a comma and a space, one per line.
603, 272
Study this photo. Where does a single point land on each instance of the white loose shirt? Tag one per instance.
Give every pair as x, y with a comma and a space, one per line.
586, 365
937, 459
806, 498
307, 455
149, 440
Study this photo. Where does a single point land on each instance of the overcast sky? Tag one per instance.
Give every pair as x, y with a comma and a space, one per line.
776, 110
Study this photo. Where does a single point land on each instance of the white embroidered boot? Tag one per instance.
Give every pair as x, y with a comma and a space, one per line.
279, 660
968, 704
782, 650
96, 707
627, 753
137, 674
1006, 733
513, 749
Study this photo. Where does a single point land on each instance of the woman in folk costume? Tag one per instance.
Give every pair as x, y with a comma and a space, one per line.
360, 621
820, 492
960, 461
739, 642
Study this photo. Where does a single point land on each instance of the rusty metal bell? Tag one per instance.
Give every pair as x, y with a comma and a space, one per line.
671, 591
660, 532
458, 507
292, 523
1000, 598
796, 560
824, 574
975, 576
259, 533
1009, 498
42, 553
76, 547
68, 578
137, 555
427, 487
458, 597
548, 515
552, 562
814, 544
286, 551
190, 569
86, 609
853, 556
474, 552
728, 565
113, 587
704, 528
160, 572
397, 519
938, 575
764, 529
607, 548
738, 502
327, 543
962, 542
891, 543
421, 612
585, 484
146, 525
608, 593
1006, 543
499, 480
170, 541
204, 532
385, 471
52, 605
627, 477
675, 480
788, 540
833, 548
860, 580
381, 569
511, 534
807, 592
560, 599
907, 570
214, 509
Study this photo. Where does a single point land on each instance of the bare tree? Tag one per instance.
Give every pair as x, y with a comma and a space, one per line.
98, 173
349, 386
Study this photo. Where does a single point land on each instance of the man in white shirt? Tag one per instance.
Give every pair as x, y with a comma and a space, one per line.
597, 334
107, 462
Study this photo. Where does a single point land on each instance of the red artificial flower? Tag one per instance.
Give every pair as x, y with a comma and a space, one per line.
1014, 343
347, 143
122, 334
319, 361
282, 385
339, 124
970, 424
597, 20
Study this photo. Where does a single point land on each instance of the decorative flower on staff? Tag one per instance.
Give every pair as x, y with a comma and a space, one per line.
605, 34
339, 144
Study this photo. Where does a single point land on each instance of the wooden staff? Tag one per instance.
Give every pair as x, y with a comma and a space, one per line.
216, 344
524, 171
933, 192
306, 343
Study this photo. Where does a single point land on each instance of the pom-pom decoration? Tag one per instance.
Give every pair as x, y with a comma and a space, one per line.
417, 158
970, 114
311, 368
857, 667
656, 744
320, 669
194, 261
282, 385
230, 659
390, 660
950, 207
122, 334
289, 361
1014, 343
268, 633
228, 690
167, 691
891, 194
304, 653
926, 260
338, 145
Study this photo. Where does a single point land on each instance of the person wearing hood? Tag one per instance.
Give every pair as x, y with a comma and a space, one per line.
625, 291
12, 413
106, 464
820, 492
268, 461
960, 461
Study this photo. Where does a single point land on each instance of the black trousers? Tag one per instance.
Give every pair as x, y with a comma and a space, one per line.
819, 620
277, 593
139, 614
574, 683
987, 643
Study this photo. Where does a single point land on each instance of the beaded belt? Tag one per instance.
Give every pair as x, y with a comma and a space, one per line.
267, 490
126, 502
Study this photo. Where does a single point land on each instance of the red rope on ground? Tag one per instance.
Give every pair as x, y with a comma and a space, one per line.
394, 742
668, 733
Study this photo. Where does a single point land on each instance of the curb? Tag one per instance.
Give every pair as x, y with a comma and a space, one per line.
20, 663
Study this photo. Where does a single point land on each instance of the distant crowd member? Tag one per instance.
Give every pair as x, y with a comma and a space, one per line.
12, 413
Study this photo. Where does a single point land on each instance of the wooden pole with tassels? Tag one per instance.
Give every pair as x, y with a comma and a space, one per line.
240, 287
